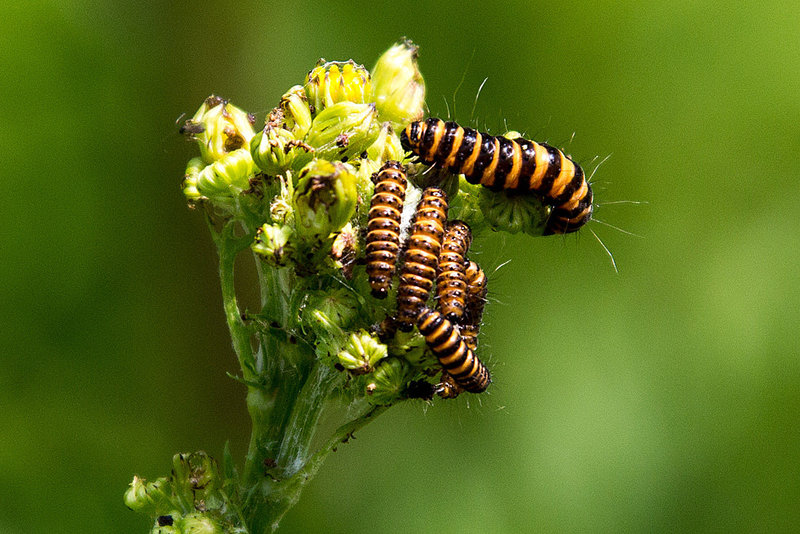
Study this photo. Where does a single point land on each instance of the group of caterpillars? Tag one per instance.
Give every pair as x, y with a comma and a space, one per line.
436, 249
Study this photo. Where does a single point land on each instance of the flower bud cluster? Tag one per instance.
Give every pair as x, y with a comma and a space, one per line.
302, 186
189, 500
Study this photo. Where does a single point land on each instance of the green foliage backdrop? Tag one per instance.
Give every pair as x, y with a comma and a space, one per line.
661, 398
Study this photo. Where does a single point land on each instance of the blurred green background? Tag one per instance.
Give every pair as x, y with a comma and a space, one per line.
662, 398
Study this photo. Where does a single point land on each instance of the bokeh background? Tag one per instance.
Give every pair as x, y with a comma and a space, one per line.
664, 397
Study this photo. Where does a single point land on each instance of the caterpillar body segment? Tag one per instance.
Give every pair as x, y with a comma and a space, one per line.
451, 282
383, 227
506, 164
476, 299
421, 256
456, 358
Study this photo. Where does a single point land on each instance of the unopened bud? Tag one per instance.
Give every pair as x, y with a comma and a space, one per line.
226, 177
397, 85
296, 111
192, 473
274, 149
386, 147
388, 381
337, 81
199, 523
512, 212
325, 198
219, 128
343, 131
361, 352
273, 244
149, 497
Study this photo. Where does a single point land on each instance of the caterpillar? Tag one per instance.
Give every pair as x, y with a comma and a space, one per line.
451, 282
457, 359
383, 227
511, 164
421, 257
476, 299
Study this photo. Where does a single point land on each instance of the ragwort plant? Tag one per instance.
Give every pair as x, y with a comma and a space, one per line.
295, 196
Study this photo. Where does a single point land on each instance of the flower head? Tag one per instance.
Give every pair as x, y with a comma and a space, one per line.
337, 81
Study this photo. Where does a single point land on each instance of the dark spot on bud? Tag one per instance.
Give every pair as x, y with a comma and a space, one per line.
164, 521
270, 463
214, 101
339, 367
191, 128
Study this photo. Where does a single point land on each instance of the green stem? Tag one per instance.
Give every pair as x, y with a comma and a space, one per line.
228, 248
286, 493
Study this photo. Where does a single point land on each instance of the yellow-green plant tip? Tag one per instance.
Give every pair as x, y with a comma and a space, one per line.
273, 244
398, 88
219, 128
512, 212
361, 352
274, 149
343, 131
325, 199
337, 81
228, 176
296, 111
388, 382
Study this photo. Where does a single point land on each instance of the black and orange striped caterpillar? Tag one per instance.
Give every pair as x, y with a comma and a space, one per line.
506, 164
476, 299
421, 257
457, 359
451, 282
383, 227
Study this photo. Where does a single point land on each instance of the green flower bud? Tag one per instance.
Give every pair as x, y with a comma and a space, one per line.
274, 149
361, 352
136, 497
324, 198
296, 111
273, 245
388, 381
386, 147
219, 128
194, 475
337, 81
513, 212
397, 85
199, 523
343, 131
149, 497
226, 177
